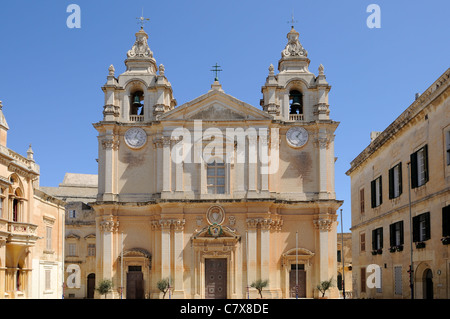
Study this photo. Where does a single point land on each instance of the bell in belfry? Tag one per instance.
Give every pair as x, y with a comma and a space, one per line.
296, 106
136, 101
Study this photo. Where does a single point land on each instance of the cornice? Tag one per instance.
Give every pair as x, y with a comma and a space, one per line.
423, 101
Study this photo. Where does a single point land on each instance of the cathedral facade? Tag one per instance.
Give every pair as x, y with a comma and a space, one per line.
216, 194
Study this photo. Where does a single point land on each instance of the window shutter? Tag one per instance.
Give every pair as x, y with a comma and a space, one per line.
413, 170
416, 229
400, 186
381, 237
425, 162
392, 235
363, 279
391, 183
428, 226
401, 233
373, 193
381, 190
374, 239
446, 221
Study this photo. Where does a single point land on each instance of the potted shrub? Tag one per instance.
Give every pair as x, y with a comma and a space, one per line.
164, 286
104, 287
259, 285
379, 251
324, 286
445, 240
393, 249
420, 244
399, 247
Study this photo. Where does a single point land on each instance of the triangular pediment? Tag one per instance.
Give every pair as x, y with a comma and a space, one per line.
216, 106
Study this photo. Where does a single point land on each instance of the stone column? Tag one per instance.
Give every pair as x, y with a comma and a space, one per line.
252, 162
265, 249
179, 148
165, 248
158, 169
110, 144
108, 226
178, 258
322, 144
264, 162
252, 250
167, 164
323, 225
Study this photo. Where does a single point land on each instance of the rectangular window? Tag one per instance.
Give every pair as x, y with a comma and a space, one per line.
72, 250
338, 256
376, 192
446, 221
216, 178
421, 227
447, 146
377, 238
72, 213
362, 242
363, 279
48, 279
378, 289
1, 207
48, 243
361, 201
398, 289
396, 234
419, 167
91, 249
395, 181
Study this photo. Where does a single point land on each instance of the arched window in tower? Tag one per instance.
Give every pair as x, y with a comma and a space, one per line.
296, 102
17, 206
136, 103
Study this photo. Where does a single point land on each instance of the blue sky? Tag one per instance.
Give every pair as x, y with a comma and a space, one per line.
51, 76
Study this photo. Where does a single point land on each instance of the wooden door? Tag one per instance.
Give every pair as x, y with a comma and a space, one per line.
90, 286
135, 285
301, 282
216, 278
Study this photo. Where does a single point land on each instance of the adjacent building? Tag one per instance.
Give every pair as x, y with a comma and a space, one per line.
216, 193
78, 190
31, 228
400, 203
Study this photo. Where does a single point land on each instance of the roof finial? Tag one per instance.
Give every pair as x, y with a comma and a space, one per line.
292, 20
216, 70
142, 20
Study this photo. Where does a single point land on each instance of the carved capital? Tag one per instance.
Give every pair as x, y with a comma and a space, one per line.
252, 223
110, 143
178, 224
323, 224
109, 225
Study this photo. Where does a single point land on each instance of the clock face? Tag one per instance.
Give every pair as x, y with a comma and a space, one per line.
297, 136
135, 137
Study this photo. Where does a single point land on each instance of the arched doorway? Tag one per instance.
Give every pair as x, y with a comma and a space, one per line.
428, 284
90, 286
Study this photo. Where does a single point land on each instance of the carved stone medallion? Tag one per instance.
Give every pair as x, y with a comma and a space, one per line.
215, 215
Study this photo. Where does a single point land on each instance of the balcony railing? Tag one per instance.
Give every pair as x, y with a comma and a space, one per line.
296, 117
22, 233
137, 118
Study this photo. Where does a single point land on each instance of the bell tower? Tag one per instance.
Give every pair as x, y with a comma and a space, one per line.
295, 94
142, 93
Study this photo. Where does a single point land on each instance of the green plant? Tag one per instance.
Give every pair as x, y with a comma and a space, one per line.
164, 286
325, 285
259, 285
104, 287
